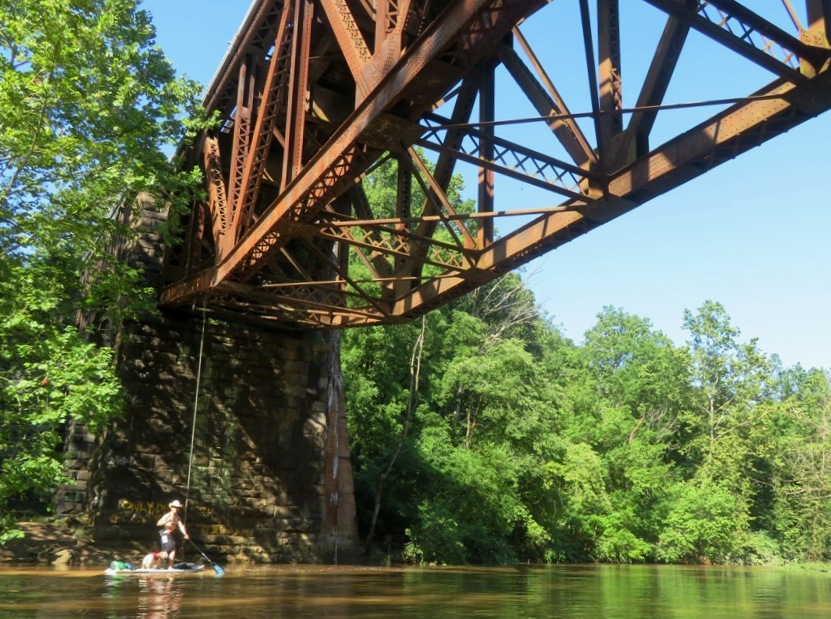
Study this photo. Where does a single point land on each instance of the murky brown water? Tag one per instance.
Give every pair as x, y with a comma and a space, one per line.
517, 592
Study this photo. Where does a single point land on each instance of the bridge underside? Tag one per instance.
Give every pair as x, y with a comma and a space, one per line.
330, 195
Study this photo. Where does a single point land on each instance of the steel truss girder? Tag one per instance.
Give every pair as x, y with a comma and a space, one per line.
315, 95
511, 159
746, 33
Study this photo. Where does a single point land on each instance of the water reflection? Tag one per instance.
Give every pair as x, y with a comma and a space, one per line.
516, 592
159, 597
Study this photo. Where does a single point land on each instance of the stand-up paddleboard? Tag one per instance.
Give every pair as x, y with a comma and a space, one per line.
124, 568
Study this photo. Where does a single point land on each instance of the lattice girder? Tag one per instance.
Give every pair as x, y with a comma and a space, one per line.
314, 95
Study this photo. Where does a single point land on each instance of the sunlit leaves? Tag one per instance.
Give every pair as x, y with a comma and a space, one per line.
606, 451
700, 526
90, 112
87, 104
801, 449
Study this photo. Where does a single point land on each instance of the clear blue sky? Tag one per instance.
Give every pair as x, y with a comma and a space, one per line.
752, 234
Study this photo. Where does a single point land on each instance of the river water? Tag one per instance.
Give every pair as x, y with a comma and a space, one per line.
337, 592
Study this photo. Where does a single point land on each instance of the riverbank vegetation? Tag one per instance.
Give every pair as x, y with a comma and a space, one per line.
524, 446
480, 434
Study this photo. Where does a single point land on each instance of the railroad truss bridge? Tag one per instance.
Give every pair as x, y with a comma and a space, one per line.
522, 99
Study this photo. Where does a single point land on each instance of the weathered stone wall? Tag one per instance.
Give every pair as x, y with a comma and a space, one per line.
260, 454
80, 443
255, 479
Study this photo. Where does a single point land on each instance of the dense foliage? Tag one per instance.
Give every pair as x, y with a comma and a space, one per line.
87, 105
525, 446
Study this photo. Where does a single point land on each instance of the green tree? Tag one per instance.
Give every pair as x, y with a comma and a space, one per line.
626, 402
802, 485
89, 110
732, 380
700, 526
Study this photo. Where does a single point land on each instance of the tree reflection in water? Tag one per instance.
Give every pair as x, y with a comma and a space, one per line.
341, 592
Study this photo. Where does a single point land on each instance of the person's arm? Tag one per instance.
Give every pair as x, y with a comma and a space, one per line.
182, 529
163, 520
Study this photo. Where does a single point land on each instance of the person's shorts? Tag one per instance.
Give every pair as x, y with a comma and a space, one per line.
168, 543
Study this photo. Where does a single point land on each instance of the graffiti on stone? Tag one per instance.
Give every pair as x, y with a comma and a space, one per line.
141, 511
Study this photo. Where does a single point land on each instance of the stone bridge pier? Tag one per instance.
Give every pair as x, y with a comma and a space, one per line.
244, 424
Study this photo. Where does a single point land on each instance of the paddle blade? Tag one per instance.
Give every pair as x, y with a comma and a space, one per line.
219, 571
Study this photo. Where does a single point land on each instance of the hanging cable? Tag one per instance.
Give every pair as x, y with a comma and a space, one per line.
196, 402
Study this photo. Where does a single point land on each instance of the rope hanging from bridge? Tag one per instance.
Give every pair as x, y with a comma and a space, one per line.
196, 401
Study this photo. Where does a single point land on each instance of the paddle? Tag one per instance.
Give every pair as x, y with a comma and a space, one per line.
219, 571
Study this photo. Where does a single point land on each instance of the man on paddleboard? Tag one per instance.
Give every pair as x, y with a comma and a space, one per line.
169, 523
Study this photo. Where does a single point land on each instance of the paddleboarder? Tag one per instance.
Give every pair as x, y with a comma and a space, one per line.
170, 523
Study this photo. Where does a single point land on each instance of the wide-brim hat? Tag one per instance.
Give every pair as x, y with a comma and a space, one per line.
175, 503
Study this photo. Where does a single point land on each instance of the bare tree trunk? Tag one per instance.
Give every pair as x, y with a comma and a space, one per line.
415, 369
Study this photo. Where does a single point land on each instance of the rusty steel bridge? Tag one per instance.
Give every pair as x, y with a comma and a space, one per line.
315, 97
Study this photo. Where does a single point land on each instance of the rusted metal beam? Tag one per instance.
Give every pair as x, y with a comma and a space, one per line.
609, 69
511, 159
240, 146
591, 73
771, 34
294, 131
634, 141
547, 101
253, 34
217, 192
264, 128
442, 205
818, 31
486, 180
313, 103
376, 263
389, 39
351, 41
745, 125
462, 110
743, 42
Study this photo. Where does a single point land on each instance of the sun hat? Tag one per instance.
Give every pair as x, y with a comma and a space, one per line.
175, 503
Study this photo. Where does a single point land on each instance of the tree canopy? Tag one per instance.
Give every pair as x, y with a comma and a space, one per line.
90, 112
